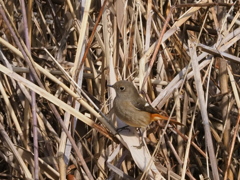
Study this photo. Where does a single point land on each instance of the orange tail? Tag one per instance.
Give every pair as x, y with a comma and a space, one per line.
156, 117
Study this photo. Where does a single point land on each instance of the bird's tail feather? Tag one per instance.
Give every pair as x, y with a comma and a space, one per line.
156, 117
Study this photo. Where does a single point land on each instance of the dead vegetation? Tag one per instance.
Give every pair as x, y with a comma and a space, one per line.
57, 58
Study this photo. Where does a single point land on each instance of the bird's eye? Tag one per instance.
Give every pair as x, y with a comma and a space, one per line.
122, 88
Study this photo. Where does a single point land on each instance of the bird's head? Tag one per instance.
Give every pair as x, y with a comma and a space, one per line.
124, 89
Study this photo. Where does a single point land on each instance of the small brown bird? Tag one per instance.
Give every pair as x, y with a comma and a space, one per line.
131, 108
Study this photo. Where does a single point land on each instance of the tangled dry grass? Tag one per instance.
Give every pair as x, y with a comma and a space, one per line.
57, 57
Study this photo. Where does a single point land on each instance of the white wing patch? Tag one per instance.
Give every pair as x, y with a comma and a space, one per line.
146, 104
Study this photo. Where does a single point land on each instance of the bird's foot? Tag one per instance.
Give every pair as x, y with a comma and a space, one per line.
140, 145
123, 128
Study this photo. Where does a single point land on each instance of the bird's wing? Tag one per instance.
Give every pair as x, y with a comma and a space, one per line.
142, 105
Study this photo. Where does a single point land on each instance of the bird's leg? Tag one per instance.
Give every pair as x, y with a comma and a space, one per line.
142, 135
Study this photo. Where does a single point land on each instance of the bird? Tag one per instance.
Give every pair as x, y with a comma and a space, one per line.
133, 109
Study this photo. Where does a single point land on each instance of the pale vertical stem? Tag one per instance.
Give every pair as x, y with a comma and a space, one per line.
203, 108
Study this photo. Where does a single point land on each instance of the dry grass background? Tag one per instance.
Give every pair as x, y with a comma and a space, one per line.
57, 58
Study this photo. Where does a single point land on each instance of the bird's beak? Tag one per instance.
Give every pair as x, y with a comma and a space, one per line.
110, 86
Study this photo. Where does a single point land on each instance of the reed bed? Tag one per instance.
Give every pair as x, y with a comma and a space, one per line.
57, 58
